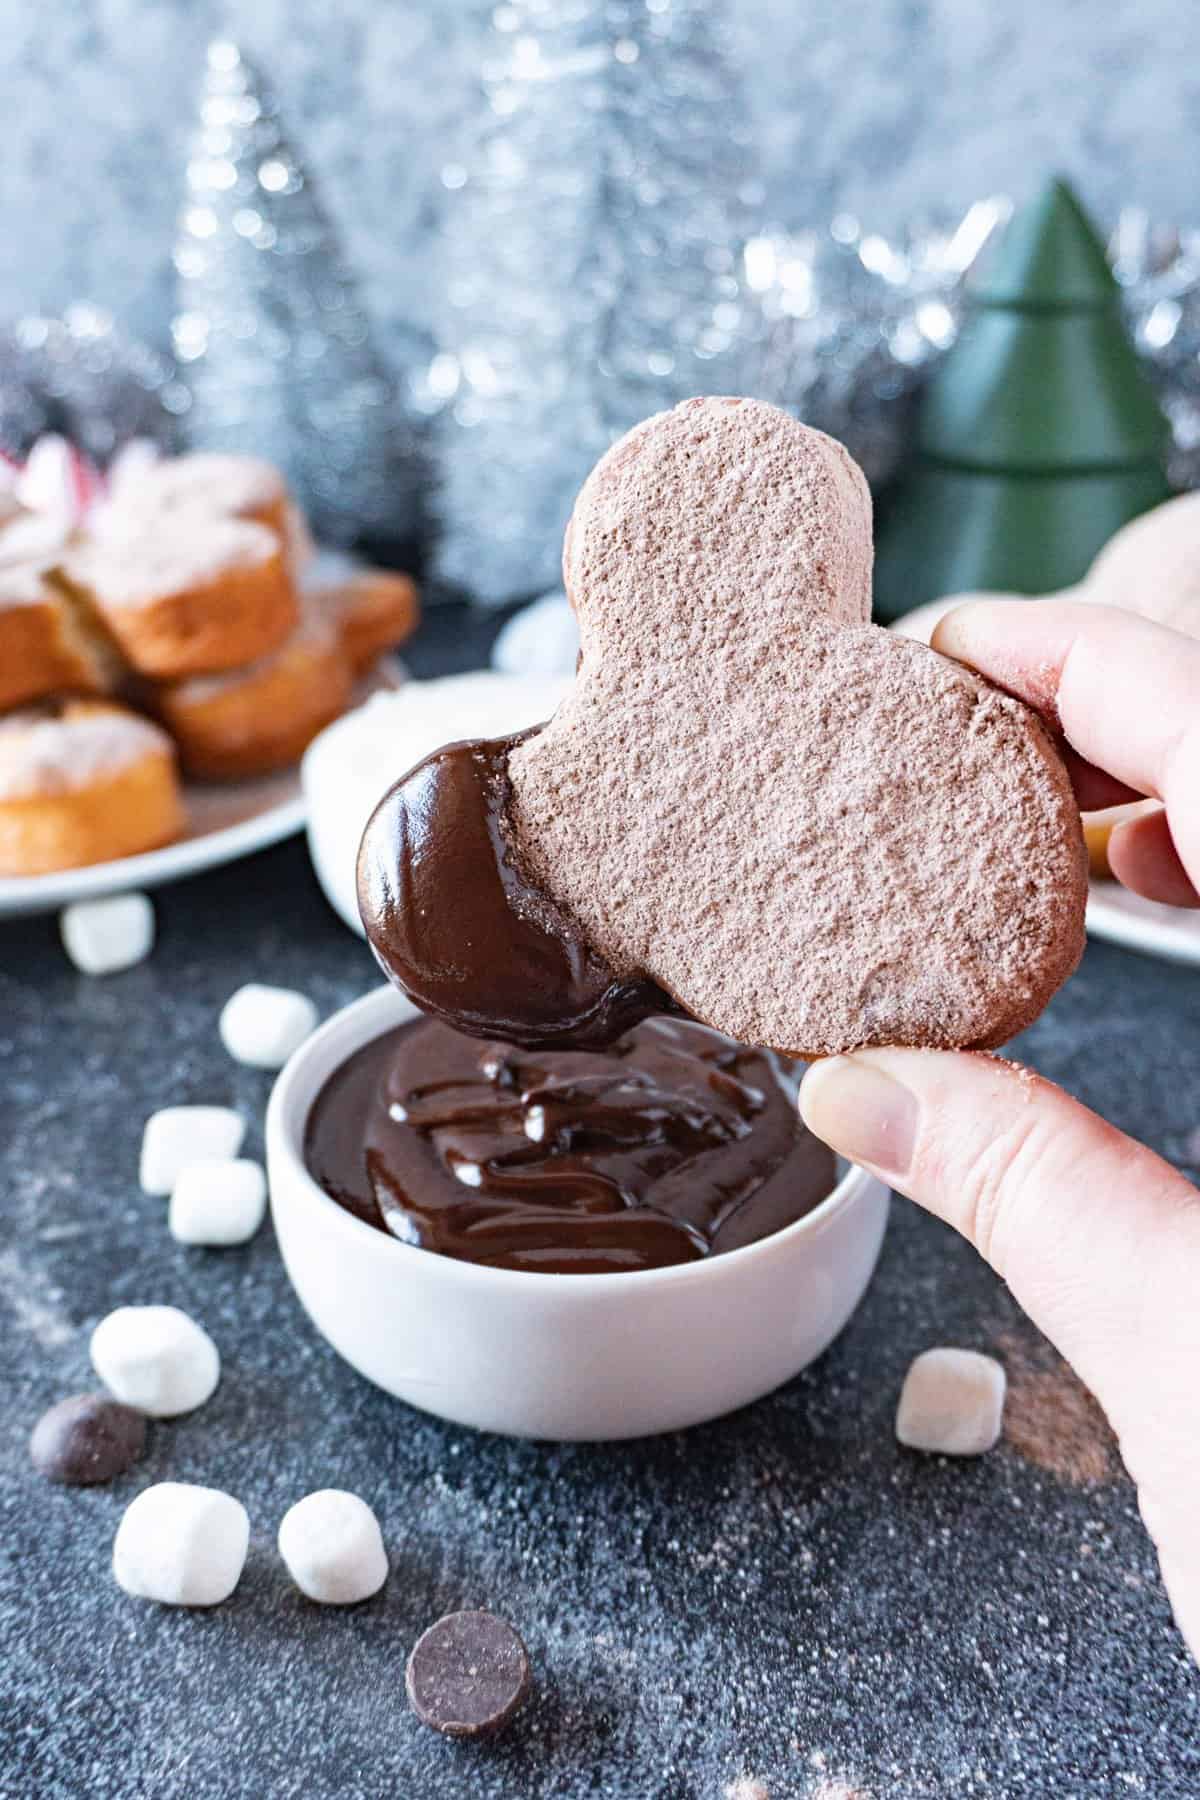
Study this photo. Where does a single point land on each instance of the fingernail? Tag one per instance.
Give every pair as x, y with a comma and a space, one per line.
861, 1112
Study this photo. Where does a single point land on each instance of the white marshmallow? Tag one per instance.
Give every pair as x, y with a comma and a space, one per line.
333, 1547
179, 1135
263, 1025
952, 1402
182, 1545
155, 1358
102, 936
218, 1201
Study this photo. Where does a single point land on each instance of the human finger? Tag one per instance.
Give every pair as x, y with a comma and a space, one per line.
1143, 857
1123, 691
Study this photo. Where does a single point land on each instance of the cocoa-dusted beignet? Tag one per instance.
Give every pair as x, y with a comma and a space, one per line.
810, 834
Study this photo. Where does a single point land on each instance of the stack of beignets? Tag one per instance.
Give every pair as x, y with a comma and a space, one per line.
178, 634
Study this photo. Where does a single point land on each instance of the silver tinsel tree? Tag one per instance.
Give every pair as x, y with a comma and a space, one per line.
1158, 266
271, 335
846, 322
83, 377
591, 265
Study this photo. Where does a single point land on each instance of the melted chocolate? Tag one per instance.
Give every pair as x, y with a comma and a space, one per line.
458, 928
674, 1145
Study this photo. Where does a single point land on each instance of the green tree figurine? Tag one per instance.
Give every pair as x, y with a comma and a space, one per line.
1037, 438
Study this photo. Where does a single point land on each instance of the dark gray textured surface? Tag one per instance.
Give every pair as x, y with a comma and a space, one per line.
784, 1594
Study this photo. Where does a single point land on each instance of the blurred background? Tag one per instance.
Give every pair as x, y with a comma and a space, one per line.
887, 108
430, 259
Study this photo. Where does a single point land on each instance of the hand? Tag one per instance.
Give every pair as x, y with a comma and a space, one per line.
1097, 1237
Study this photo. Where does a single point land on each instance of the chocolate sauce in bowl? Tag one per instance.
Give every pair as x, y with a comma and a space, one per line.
675, 1144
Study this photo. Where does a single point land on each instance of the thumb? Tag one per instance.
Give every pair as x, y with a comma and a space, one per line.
1098, 1238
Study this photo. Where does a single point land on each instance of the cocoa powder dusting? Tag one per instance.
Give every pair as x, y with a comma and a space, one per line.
1051, 1419
815, 836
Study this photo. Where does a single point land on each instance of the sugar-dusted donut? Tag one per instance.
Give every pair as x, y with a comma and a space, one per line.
374, 611
48, 644
83, 781
253, 720
195, 597
209, 482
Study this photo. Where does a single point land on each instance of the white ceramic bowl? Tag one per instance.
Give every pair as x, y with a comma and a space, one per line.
557, 1356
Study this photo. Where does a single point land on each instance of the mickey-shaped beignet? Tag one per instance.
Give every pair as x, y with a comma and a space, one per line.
802, 830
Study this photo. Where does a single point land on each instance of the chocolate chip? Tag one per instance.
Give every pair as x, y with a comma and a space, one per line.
87, 1439
468, 1674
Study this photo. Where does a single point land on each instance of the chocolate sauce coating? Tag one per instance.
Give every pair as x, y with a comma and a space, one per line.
458, 928
674, 1145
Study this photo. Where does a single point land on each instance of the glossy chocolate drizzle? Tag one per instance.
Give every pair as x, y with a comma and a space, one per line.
674, 1145
457, 926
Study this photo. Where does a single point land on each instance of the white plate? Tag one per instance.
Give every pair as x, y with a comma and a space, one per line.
225, 821
1123, 918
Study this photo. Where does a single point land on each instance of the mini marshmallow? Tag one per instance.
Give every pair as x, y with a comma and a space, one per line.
952, 1402
218, 1201
155, 1358
333, 1547
263, 1025
181, 1545
179, 1135
102, 936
